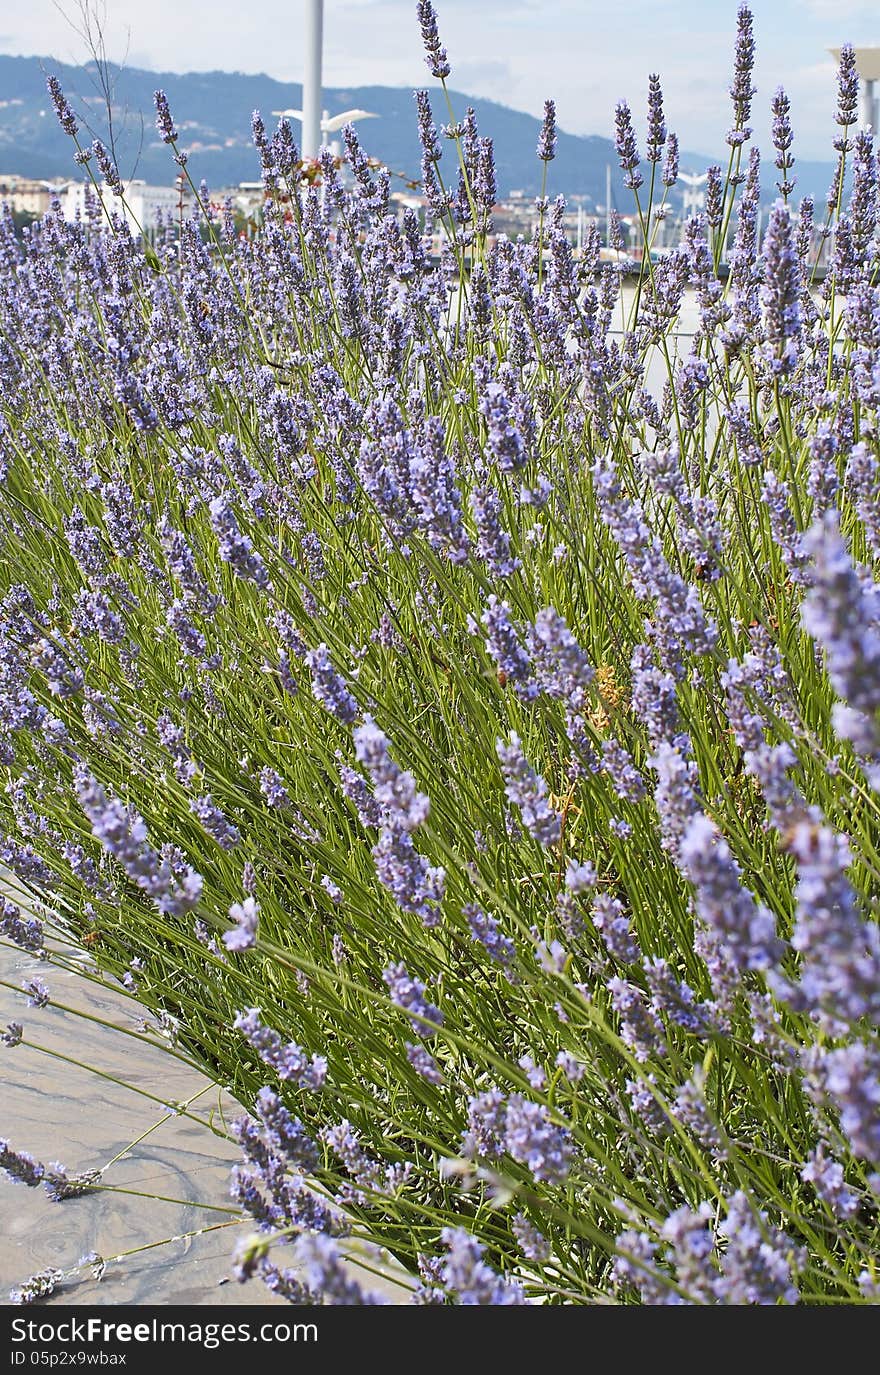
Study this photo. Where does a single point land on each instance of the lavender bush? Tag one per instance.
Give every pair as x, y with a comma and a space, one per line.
474, 755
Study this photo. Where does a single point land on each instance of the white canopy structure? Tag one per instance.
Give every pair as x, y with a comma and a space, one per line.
313, 123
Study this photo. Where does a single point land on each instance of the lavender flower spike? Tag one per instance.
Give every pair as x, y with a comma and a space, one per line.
841, 612
403, 807
408, 993
547, 136
656, 122
435, 53
625, 141
243, 935
236, 548
21, 1167
745, 930
66, 117
329, 687
468, 1276
742, 90
290, 1061
528, 791
781, 296
164, 121
840, 979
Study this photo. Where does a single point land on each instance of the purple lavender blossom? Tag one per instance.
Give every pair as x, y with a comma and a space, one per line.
783, 138
215, 823
532, 1242
506, 648
656, 122
646, 1106
840, 951
841, 612
580, 878
528, 791
408, 993
236, 548
164, 121
272, 788
680, 622
786, 535
670, 161
547, 136
107, 167
863, 487
433, 487
174, 886
534, 1141
469, 1278
244, 934
37, 1286
626, 780
21, 1167
759, 1262
66, 117
60, 1184
493, 542
672, 998
368, 1174
415, 885
826, 1177
403, 807
640, 1028
435, 53
424, 1064
676, 795
745, 930
487, 1117
357, 790
612, 923
322, 1263
507, 445
560, 665
691, 1109
486, 929
329, 688
847, 87
849, 1077
283, 1132
654, 701
94, 615
289, 1060
37, 992
192, 641
431, 150
781, 295
625, 142
26, 933
742, 90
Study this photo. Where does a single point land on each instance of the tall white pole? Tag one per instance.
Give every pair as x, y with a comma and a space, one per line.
314, 42
868, 104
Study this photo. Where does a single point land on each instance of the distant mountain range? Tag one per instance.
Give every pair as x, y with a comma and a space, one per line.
212, 111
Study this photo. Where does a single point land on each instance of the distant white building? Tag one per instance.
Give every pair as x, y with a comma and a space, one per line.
141, 207
25, 195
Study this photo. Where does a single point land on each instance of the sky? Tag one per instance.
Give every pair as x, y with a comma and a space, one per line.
586, 54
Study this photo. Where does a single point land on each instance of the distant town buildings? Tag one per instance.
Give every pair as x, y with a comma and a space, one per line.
25, 195
515, 215
141, 207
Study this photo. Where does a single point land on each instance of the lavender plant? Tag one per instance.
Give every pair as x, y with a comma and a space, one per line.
473, 753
